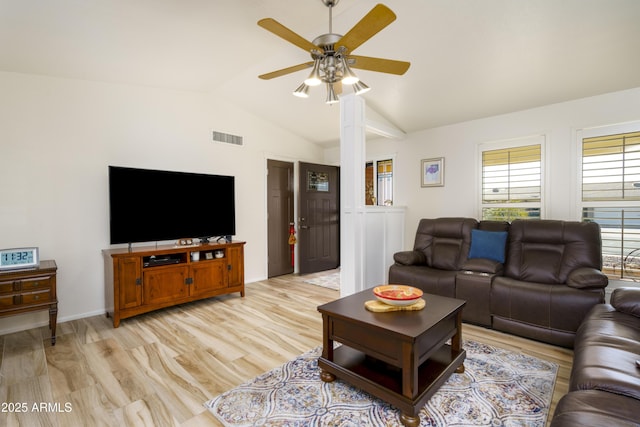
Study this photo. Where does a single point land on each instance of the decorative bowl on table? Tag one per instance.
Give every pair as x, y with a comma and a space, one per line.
397, 294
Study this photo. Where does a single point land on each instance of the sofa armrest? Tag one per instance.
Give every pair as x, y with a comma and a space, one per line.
483, 265
587, 278
626, 300
410, 258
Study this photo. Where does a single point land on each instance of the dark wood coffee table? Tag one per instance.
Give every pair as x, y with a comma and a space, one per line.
401, 357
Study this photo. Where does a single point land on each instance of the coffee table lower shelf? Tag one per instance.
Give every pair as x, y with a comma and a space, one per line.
384, 381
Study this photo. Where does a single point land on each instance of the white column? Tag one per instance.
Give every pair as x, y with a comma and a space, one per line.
352, 223
369, 235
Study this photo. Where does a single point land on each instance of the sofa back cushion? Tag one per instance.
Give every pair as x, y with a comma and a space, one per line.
445, 242
546, 251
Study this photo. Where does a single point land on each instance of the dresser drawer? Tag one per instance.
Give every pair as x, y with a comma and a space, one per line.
22, 285
7, 287
36, 283
35, 297
6, 301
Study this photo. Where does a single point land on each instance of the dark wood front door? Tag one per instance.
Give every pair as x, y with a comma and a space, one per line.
319, 219
280, 215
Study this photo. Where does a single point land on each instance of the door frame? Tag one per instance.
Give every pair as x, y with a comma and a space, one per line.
296, 172
290, 213
296, 199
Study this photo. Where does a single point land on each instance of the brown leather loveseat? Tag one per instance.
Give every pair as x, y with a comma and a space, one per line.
534, 278
604, 387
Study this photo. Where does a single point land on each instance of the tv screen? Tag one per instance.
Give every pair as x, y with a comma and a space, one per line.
153, 205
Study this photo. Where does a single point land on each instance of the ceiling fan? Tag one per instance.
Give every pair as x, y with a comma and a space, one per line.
332, 53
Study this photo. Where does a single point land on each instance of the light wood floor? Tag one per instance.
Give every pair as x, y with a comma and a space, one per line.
158, 369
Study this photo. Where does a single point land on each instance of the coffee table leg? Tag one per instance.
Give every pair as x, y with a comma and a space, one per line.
327, 377
327, 349
456, 341
409, 420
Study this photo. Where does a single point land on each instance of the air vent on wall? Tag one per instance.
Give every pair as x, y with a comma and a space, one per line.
227, 138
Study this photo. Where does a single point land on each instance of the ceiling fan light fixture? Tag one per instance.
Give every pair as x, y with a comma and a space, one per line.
348, 76
329, 53
359, 87
332, 98
314, 78
302, 91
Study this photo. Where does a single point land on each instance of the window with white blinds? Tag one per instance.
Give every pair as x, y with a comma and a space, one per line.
610, 196
611, 167
512, 182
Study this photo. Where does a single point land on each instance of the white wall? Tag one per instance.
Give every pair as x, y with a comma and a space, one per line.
458, 144
57, 138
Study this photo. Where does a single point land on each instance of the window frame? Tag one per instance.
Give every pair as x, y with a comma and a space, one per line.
375, 160
615, 271
538, 139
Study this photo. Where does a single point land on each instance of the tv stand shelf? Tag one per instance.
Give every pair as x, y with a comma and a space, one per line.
144, 279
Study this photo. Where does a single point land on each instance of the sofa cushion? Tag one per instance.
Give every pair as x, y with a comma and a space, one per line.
607, 347
547, 251
488, 244
591, 408
550, 313
626, 300
430, 280
445, 242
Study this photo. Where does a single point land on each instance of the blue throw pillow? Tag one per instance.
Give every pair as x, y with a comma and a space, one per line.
488, 244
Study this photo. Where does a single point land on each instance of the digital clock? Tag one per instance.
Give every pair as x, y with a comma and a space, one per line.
19, 258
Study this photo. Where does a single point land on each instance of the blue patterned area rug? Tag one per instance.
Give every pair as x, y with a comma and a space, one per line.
498, 388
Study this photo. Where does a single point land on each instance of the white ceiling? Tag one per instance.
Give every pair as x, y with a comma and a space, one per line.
469, 58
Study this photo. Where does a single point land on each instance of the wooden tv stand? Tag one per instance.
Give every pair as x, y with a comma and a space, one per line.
144, 279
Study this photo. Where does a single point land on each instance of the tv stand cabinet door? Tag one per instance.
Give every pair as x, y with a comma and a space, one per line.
164, 285
129, 282
235, 266
208, 276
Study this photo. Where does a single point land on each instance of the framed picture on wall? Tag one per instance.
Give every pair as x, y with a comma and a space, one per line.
432, 172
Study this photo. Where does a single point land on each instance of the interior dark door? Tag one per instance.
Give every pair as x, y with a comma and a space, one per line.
280, 215
319, 219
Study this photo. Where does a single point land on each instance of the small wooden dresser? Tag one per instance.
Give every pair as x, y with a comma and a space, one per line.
30, 289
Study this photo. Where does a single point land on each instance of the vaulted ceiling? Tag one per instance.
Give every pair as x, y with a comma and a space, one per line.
469, 58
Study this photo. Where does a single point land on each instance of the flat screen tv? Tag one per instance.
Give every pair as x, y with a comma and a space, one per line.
154, 205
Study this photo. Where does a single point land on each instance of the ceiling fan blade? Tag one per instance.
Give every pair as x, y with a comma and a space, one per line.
378, 64
374, 21
280, 30
285, 71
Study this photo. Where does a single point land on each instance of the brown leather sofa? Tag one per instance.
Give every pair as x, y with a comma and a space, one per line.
604, 387
540, 284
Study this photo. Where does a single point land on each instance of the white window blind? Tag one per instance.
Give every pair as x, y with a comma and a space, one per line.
611, 167
512, 182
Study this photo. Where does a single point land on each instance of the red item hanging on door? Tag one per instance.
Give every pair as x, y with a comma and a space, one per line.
292, 242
